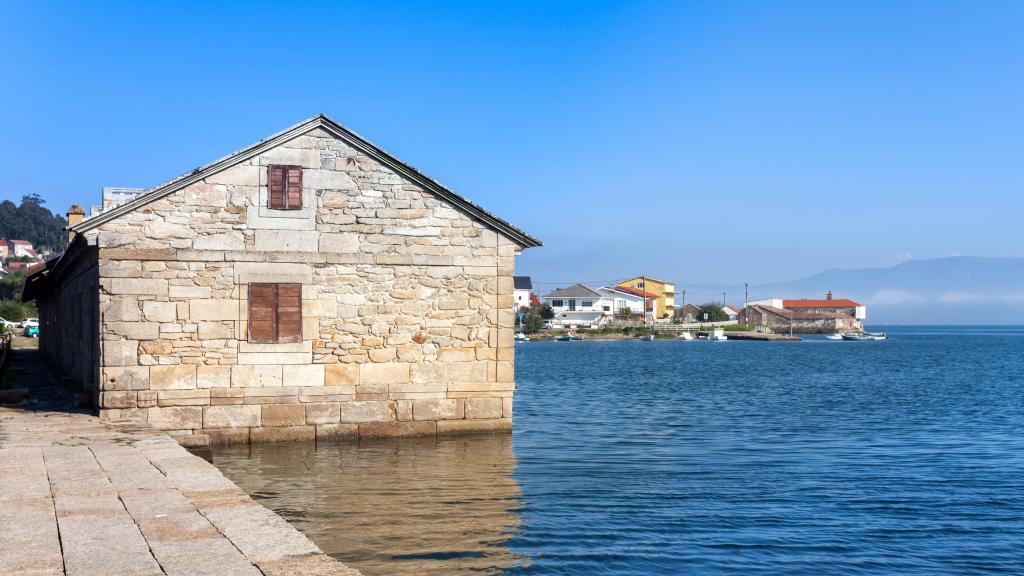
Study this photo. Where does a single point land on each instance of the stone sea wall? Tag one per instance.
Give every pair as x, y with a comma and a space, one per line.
407, 318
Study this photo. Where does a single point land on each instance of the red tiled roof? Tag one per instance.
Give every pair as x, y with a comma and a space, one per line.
22, 242
636, 292
838, 303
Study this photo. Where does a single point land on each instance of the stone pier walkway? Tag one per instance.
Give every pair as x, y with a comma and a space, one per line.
82, 497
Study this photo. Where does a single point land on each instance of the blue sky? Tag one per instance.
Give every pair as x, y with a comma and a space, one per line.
697, 141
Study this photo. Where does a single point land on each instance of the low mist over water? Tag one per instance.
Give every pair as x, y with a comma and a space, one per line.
901, 456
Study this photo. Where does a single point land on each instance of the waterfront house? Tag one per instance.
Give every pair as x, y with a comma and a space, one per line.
665, 291
828, 305
625, 300
577, 306
521, 287
733, 312
781, 320
20, 249
308, 286
689, 313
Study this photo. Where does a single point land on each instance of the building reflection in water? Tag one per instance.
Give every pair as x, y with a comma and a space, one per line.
409, 506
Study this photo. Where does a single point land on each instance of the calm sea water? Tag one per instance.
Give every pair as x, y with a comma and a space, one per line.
819, 457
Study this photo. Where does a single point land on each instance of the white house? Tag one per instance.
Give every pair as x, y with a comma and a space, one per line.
619, 299
577, 306
21, 248
521, 286
733, 312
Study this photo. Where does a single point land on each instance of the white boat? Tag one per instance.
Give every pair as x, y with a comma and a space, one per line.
686, 336
647, 338
717, 335
836, 336
521, 337
864, 336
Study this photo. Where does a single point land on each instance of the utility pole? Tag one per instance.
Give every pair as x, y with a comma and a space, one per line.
746, 294
723, 297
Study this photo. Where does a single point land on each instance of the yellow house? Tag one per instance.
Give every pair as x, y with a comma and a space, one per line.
666, 292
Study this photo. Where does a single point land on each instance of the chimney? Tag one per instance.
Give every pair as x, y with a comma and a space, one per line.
828, 296
75, 215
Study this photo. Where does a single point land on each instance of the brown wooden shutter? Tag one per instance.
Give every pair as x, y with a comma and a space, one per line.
262, 312
276, 184
289, 312
294, 199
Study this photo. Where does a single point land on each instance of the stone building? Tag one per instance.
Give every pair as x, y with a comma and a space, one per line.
308, 286
781, 320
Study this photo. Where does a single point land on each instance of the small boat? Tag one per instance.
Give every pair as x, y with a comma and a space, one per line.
717, 335
835, 336
860, 336
521, 337
647, 338
569, 338
686, 336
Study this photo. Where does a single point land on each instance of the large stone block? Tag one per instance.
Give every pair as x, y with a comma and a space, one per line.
213, 376
341, 243
483, 408
390, 373
368, 411
482, 426
287, 241
283, 434
189, 291
126, 378
248, 272
304, 375
436, 409
214, 309
399, 429
341, 375
183, 397
256, 376
146, 286
177, 418
214, 330
176, 377
323, 413
220, 241
336, 431
134, 330
284, 415
120, 353
160, 311
264, 358
122, 309
231, 416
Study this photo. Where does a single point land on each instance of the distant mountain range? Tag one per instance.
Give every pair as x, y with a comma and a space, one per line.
954, 290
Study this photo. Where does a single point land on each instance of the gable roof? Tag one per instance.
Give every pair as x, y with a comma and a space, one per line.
338, 131
522, 283
733, 308
819, 304
574, 291
21, 242
645, 279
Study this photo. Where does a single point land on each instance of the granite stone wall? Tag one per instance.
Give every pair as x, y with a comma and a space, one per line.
407, 307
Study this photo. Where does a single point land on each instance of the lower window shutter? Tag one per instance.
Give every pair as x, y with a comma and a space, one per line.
289, 312
262, 312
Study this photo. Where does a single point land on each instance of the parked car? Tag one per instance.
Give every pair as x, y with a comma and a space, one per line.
7, 324
31, 322
32, 331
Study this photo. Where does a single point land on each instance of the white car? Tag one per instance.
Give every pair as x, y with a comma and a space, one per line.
8, 324
30, 322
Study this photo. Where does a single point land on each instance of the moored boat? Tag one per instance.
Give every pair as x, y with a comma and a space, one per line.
647, 338
836, 336
686, 336
521, 337
717, 335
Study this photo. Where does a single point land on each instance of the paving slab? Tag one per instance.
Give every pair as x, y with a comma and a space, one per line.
82, 497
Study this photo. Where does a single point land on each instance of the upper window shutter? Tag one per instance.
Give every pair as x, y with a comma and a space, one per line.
289, 312
262, 312
276, 183
294, 199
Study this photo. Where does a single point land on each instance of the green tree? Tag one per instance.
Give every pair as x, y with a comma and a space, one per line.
546, 312
532, 323
713, 312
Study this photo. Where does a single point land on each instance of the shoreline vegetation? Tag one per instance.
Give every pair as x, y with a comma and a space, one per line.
733, 331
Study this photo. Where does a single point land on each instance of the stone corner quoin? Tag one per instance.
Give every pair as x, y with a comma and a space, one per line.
393, 317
